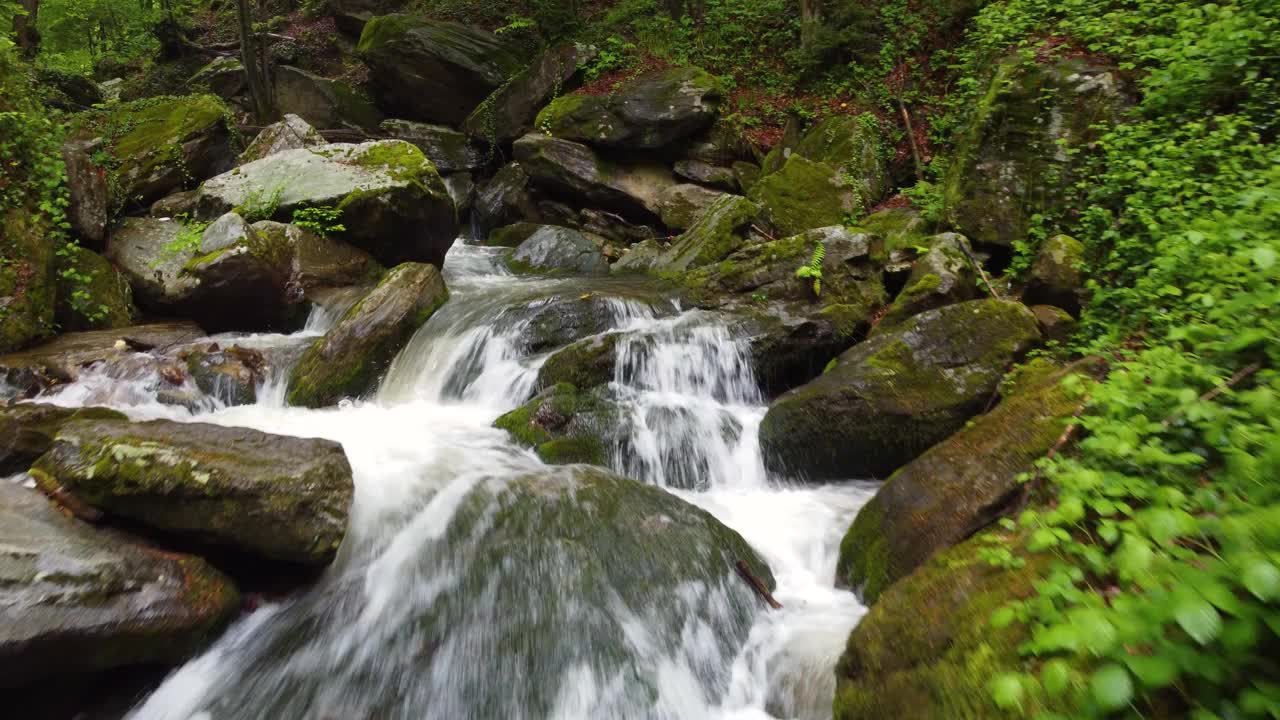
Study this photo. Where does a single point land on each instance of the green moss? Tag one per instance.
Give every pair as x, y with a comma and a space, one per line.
402, 160
850, 319
26, 279
570, 450
804, 195
92, 295
383, 29
864, 563
560, 112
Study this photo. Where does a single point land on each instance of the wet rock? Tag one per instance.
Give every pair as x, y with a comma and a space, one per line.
641, 257
66, 356
229, 375
155, 146
462, 190
350, 358
557, 321
77, 599
552, 248
277, 498
320, 101
942, 276
681, 205
576, 171
805, 194
1056, 277
319, 262
351, 15
720, 178
27, 431
584, 364
291, 133
450, 150
953, 490
893, 396
223, 76
613, 226
1012, 161
512, 235
87, 185
719, 231
94, 296
653, 111
433, 71
504, 200
509, 112
746, 174
565, 426
392, 200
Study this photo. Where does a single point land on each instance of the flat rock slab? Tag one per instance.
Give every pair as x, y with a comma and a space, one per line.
279, 498
74, 598
64, 358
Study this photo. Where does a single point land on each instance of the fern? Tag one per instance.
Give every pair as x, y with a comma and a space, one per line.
813, 269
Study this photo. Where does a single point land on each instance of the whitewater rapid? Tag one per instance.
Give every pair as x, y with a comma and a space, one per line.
426, 439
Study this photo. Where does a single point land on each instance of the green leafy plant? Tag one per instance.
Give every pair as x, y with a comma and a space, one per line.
323, 220
260, 203
812, 270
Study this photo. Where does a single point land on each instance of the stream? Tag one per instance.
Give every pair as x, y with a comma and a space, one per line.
345, 648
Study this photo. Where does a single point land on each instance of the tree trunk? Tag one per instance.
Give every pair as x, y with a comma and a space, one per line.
254, 67
24, 27
810, 21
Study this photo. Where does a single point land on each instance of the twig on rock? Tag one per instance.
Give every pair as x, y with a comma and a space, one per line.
756, 584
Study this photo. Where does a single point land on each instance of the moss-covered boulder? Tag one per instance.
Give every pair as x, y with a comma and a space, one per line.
805, 194
1056, 324
855, 147
558, 250
584, 364
747, 174
512, 235
224, 76
291, 133
927, 648
433, 71
653, 111
720, 230
900, 228
28, 290
319, 262
565, 425
1013, 159
320, 101
92, 294
350, 358
954, 489
890, 398
88, 212
555, 321
27, 430
509, 112
577, 172
942, 276
351, 16
450, 150
392, 201
230, 375
277, 498
155, 146
680, 206
1057, 276
78, 599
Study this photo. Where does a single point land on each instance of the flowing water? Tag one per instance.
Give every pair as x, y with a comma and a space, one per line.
356, 645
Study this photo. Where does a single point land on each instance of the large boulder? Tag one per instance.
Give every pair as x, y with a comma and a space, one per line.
680, 206
320, 262
854, 146
558, 249
153, 147
928, 648
320, 101
451, 151
277, 498
1057, 276
889, 398
585, 364
653, 111
576, 171
350, 358
509, 112
565, 425
28, 287
350, 16
75, 599
553, 570
291, 133
227, 277
392, 201
720, 230
224, 76
27, 431
953, 490
806, 194
1013, 159
433, 71
704, 173
942, 276
556, 321
92, 295
504, 199
88, 210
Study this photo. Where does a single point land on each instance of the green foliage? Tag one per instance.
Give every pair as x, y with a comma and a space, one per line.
813, 268
260, 203
1163, 519
612, 55
76, 35
323, 220
187, 240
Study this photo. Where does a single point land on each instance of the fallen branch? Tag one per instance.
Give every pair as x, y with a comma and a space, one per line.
964, 247
760, 230
745, 571
1215, 392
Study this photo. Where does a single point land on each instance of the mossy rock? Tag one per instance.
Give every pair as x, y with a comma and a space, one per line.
92, 295
320, 101
942, 276
747, 174
553, 249
27, 280
158, 145
954, 489
449, 150
584, 364
1057, 274
681, 205
890, 398
1011, 160
854, 146
564, 425
27, 431
510, 111
576, 172
899, 228
804, 195
719, 230
512, 235
431, 70
350, 359
276, 498
112, 602
291, 133
927, 648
